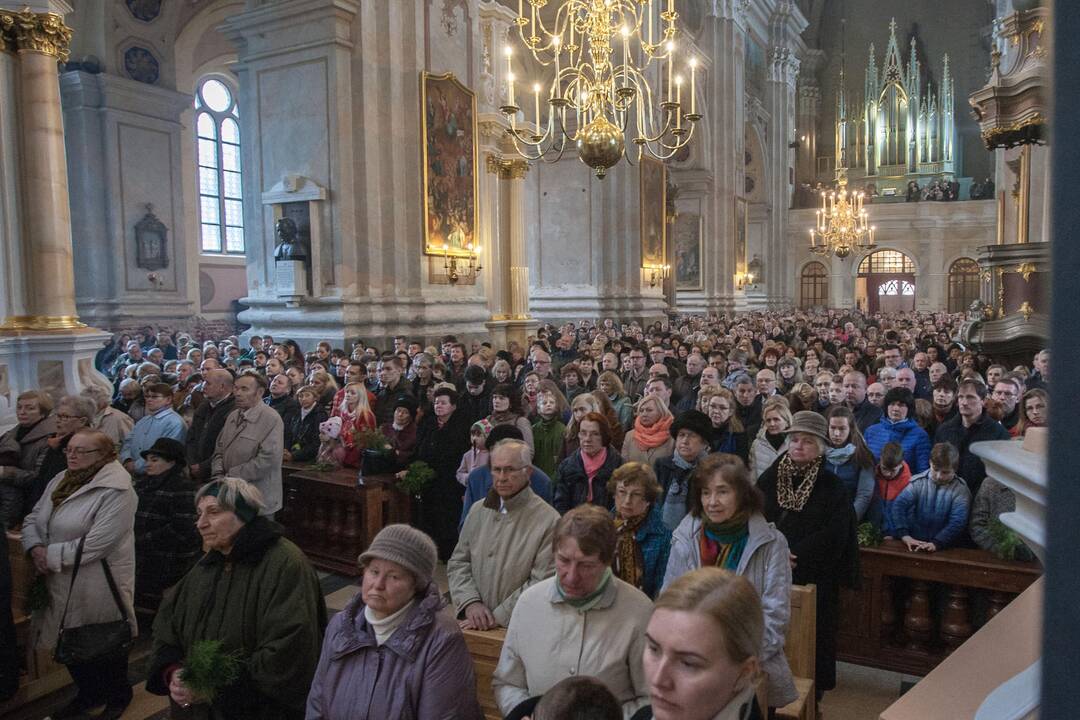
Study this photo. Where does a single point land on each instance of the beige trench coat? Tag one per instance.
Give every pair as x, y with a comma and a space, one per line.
103, 511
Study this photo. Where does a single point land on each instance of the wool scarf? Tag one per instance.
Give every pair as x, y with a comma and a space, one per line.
75, 479
590, 601
592, 466
655, 435
840, 455
629, 561
722, 544
794, 483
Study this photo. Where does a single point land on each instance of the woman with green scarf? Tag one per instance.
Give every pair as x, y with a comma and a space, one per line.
583, 621
725, 528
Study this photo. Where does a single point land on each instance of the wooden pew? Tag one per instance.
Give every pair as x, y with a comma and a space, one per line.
332, 519
800, 646
485, 646
42, 675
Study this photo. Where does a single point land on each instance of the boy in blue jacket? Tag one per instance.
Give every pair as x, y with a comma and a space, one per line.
932, 511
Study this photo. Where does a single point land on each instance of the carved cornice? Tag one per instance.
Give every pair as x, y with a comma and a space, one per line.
505, 168
27, 31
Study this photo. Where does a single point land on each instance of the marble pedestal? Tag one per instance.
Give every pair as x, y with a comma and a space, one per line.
504, 331
60, 363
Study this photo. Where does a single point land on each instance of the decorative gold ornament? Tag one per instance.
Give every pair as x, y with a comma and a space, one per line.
40, 323
842, 223
1026, 310
28, 31
1020, 132
505, 168
1026, 269
597, 94
1001, 292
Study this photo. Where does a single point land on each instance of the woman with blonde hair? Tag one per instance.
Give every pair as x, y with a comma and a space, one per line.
610, 385
650, 437
581, 406
326, 387
771, 441
714, 617
356, 417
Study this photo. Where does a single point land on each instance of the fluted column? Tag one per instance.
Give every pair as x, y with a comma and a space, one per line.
512, 316
41, 40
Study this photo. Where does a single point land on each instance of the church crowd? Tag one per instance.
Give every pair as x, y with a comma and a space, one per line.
631, 503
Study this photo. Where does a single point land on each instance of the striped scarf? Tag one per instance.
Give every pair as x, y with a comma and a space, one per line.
722, 544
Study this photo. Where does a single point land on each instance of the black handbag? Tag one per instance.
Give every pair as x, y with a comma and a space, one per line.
87, 643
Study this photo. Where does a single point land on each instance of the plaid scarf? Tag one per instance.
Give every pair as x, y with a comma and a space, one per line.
629, 562
794, 483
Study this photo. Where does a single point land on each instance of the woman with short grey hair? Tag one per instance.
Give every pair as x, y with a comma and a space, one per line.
73, 413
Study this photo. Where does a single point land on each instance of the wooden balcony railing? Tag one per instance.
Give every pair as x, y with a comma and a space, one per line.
913, 609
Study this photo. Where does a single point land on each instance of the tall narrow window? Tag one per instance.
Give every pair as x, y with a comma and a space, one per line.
221, 207
814, 290
963, 284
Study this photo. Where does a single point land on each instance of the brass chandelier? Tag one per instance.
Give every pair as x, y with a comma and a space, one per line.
842, 223
600, 52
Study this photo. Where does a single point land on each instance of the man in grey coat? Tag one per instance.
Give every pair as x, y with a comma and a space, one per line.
251, 442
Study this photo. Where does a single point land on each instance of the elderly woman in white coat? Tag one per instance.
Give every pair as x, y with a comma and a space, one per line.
93, 500
725, 528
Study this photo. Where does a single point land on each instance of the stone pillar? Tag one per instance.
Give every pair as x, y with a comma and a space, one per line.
510, 319
724, 40
43, 345
809, 114
41, 41
786, 24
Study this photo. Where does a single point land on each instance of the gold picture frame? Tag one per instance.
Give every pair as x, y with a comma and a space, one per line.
739, 233
653, 200
449, 162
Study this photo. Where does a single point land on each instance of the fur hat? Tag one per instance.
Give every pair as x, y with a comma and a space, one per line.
331, 428
695, 421
410, 548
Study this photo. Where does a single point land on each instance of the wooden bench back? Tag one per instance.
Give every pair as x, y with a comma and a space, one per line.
800, 644
485, 648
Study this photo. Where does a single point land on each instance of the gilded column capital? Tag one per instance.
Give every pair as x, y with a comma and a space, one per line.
506, 169
28, 31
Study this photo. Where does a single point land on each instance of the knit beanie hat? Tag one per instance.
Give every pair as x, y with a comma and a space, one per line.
410, 548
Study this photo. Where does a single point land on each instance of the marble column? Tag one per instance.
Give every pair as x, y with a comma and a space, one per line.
786, 24
510, 319
41, 40
43, 346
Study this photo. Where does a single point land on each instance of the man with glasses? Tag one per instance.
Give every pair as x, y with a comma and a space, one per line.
159, 421
505, 543
1007, 393
635, 378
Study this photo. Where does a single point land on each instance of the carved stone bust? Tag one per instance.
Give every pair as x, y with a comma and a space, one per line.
288, 245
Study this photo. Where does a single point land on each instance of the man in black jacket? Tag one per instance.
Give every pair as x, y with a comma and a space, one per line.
207, 422
971, 425
866, 413
9, 653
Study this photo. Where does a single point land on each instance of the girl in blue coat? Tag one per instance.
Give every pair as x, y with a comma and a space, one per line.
898, 425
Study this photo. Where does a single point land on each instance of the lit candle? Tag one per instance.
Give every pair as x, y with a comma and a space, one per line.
648, 19
693, 95
678, 101
519, 8
670, 65
625, 46
510, 72
536, 97
813, 238
556, 43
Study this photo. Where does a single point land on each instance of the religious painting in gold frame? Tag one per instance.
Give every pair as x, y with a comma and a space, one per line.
653, 199
739, 233
449, 161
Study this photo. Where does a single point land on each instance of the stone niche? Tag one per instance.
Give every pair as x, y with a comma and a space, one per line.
300, 199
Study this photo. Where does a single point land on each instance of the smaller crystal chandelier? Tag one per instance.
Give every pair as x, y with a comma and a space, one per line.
841, 223
598, 56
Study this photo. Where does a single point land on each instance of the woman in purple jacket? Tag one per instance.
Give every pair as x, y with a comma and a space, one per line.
393, 652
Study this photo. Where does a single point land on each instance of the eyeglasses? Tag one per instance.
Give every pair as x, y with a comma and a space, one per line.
80, 452
501, 470
65, 416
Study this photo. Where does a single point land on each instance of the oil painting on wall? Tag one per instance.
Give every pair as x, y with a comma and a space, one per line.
688, 252
653, 212
449, 165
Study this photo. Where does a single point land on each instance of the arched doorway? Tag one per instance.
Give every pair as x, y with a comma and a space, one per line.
813, 286
886, 282
963, 284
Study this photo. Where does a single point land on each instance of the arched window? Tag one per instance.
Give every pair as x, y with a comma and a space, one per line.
221, 207
814, 288
896, 287
886, 261
963, 284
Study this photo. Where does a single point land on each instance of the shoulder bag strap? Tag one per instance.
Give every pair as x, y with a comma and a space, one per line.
74, 574
108, 579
